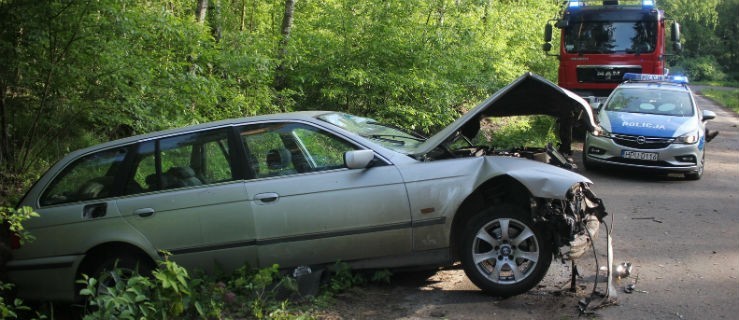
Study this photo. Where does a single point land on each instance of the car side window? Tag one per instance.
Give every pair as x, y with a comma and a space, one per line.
182, 161
278, 149
88, 178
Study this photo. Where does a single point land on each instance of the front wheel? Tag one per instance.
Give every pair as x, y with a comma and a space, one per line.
698, 173
503, 253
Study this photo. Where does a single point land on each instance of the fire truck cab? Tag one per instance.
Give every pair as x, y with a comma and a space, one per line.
602, 40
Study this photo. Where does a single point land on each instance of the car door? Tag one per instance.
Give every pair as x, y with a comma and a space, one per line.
310, 209
80, 198
186, 200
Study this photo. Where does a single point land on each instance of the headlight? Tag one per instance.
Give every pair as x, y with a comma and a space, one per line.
688, 138
600, 132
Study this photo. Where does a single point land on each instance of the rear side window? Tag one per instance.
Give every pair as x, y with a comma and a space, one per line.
183, 161
88, 178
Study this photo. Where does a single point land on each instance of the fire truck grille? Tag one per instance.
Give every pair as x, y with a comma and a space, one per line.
604, 74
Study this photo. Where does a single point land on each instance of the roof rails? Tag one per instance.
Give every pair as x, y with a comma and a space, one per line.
643, 77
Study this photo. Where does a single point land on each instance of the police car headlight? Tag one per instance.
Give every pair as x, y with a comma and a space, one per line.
600, 132
688, 138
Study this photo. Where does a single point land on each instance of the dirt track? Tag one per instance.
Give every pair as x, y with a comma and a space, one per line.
682, 238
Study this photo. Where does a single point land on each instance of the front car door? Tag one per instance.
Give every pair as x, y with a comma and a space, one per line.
310, 209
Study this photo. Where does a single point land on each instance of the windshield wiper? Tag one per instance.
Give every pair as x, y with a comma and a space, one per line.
387, 138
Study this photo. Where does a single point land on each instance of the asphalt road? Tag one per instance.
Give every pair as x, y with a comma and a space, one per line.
682, 238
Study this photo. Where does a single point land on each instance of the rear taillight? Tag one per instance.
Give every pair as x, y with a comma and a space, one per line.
15, 241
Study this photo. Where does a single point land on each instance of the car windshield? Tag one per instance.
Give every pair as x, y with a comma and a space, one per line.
651, 101
387, 136
611, 37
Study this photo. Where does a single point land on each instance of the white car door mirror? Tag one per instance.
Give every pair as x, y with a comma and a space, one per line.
358, 159
708, 115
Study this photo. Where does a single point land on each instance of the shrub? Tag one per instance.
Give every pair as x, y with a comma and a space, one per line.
704, 68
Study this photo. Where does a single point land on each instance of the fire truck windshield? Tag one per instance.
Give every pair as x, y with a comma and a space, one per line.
610, 37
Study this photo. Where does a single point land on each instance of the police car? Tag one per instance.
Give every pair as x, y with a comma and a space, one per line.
650, 122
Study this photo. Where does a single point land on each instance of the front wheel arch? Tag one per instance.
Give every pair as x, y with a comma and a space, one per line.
496, 191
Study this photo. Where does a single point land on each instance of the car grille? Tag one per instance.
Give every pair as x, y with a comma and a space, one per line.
664, 164
640, 142
604, 74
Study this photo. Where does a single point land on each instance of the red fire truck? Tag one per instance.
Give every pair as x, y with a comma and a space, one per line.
602, 40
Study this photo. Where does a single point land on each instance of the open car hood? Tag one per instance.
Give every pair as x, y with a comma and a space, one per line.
530, 94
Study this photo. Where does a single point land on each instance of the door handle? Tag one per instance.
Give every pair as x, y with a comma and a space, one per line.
267, 197
144, 212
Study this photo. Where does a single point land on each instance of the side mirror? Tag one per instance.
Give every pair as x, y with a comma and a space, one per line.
547, 46
358, 159
675, 32
677, 46
708, 115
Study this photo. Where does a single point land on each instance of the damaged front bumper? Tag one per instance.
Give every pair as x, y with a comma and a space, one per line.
574, 224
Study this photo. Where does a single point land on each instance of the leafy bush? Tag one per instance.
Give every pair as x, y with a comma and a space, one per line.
727, 98
172, 293
704, 68
519, 131
11, 220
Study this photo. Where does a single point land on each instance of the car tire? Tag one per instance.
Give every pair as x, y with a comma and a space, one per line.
503, 252
587, 164
697, 174
128, 265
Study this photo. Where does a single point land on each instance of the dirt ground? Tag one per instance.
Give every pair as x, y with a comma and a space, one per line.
682, 238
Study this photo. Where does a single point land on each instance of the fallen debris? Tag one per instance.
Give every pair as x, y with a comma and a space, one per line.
647, 218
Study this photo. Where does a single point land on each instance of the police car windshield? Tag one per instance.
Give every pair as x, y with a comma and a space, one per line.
651, 101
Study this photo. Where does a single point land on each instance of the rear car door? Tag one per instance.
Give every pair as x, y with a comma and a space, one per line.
185, 198
310, 209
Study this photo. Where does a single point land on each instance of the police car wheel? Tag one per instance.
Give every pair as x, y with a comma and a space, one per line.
697, 174
587, 164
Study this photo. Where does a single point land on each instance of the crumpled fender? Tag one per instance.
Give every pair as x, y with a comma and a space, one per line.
542, 180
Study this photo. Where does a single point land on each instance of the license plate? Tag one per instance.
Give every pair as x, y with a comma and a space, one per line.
638, 155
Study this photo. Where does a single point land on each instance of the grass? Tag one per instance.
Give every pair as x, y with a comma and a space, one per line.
727, 98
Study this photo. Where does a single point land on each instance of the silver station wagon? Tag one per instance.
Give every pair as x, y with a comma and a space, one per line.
309, 189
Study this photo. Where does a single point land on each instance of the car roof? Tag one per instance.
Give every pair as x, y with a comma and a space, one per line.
298, 115
659, 85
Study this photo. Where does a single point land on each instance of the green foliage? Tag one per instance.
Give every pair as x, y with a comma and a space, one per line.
172, 294
704, 68
382, 276
133, 296
709, 30
343, 278
17, 309
520, 131
728, 98
14, 219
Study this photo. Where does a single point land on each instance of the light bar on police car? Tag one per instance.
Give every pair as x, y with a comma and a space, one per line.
655, 77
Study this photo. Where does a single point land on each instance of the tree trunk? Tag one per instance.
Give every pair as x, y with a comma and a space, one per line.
217, 26
287, 23
202, 11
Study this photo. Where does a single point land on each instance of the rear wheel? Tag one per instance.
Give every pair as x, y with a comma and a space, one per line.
503, 252
109, 270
